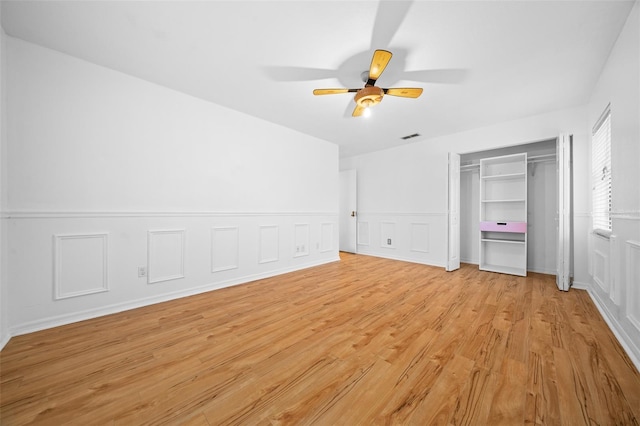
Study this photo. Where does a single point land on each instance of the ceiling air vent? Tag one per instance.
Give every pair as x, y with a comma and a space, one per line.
410, 136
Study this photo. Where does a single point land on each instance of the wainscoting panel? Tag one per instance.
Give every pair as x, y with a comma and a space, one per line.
363, 233
269, 244
225, 248
420, 237
614, 272
601, 269
80, 265
387, 234
165, 255
301, 239
415, 237
633, 283
56, 256
326, 237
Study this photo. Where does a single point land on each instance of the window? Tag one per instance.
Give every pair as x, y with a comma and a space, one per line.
601, 172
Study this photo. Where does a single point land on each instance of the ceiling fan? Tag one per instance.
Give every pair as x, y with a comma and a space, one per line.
371, 95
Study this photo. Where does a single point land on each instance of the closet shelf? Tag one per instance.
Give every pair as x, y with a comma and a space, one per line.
518, 200
494, 240
504, 176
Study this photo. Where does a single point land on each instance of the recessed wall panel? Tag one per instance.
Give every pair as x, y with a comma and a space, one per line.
388, 234
632, 281
225, 248
614, 271
301, 239
420, 237
80, 265
326, 237
165, 255
363, 233
601, 270
269, 246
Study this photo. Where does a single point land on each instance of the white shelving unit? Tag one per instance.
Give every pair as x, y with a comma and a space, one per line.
503, 214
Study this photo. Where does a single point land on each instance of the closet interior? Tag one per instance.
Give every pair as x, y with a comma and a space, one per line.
508, 208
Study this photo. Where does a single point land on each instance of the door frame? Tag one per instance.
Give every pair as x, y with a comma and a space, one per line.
565, 204
347, 214
564, 169
453, 213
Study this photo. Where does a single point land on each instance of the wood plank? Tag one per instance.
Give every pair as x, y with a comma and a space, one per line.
360, 341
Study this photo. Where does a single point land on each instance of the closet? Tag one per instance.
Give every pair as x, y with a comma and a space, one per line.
508, 208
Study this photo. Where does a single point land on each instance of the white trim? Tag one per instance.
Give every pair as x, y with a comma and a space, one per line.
10, 214
618, 331
307, 243
180, 274
365, 227
374, 213
235, 265
580, 286
412, 232
600, 120
602, 281
57, 265
403, 259
261, 258
65, 319
322, 248
626, 214
5, 340
614, 269
542, 271
631, 280
384, 239
602, 233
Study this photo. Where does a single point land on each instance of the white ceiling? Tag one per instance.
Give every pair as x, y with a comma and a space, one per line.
479, 62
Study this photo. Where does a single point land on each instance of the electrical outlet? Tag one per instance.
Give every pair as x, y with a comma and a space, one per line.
142, 271
388, 241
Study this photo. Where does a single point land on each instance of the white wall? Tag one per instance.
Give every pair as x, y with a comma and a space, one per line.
107, 173
614, 281
405, 186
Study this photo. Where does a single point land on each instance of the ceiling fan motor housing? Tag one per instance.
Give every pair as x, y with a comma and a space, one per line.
369, 96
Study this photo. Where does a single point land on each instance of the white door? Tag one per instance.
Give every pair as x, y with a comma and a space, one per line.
453, 210
563, 214
348, 211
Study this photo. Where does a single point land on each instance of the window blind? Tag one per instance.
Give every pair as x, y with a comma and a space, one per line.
601, 172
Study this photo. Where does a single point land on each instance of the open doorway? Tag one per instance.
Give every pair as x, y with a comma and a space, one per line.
348, 211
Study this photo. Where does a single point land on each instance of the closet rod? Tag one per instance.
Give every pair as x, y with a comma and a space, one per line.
532, 159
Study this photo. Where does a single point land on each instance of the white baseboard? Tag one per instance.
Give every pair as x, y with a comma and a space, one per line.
56, 321
541, 271
402, 259
536, 270
5, 339
616, 328
580, 286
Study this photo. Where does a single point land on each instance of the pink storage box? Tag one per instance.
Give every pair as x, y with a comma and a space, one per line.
520, 227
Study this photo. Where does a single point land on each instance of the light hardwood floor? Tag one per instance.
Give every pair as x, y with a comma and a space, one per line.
360, 341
